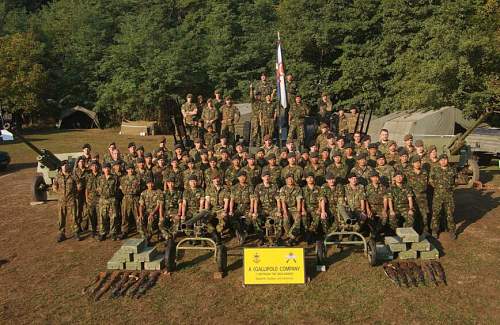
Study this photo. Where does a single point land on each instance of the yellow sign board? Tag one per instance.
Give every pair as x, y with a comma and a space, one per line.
274, 265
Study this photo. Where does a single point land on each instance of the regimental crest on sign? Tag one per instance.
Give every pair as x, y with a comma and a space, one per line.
291, 257
256, 258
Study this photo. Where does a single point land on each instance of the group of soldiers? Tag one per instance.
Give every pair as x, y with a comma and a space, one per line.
289, 193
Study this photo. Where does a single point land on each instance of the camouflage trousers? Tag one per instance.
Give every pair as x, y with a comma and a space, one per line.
192, 131
65, 210
317, 225
229, 130
297, 128
169, 225
90, 213
298, 220
129, 209
254, 133
408, 218
107, 216
423, 209
241, 220
267, 128
443, 200
80, 206
217, 221
146, 228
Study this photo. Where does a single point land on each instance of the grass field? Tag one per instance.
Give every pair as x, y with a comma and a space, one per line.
41, 281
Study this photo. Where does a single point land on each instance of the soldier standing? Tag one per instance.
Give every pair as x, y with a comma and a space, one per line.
91, 199
291, 208
189, 111
80, 174
106, 188
274, 171
385, 171
354, 119
383, 143
150, 205
264, 86
442, 179
325, 108
291, 88
130, 185
67, 186
131, 155
401, 203
241, 213
230, 116
311, 208
343, 126
296, 116
316, 168
418, 180
268, 117
256, 117
267, 206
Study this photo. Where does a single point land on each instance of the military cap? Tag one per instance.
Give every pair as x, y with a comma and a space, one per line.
349, 145
402, 152
171, 178
241, 173
267, 137
391, 143
149, 180
235, 157
373, 145
86, 146
174, 159
80, 158
266, 173
432, 147
203, 151
329, 175
325, 149
289, 141
192, 178
304, 151
258, 93
106, 165
366, 137
64, 162
141, 148
336, 153
131, 144
178, 146
217, 91
298, 95
130, 166
443, 156
314, 154
216, 175
310, 174
351, 175
323, 94
117, 162
228, 97
380, 155
197, 140
419, 143
373, 173
213, 159
252, 156
140, 160
398, 172
210, 100
271, 156
340, 138
408, 137
284, 150
289, 175
361, 155
330, 136
148, 155
94, 162
323, 125
223, 150
414, 159
189, 96
261, 150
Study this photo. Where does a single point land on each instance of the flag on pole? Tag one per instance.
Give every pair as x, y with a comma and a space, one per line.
280, 76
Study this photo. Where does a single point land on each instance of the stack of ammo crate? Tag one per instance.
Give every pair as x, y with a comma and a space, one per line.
135, 255
409, 244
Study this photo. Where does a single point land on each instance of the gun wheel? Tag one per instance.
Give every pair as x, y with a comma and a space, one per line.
372, 252
170, 255
473, 171
221, 258
39, 189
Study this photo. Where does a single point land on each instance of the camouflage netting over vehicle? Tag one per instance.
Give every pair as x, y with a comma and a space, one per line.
446, 121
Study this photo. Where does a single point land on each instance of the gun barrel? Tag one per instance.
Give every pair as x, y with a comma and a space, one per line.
45, 157
196, 218
456, 145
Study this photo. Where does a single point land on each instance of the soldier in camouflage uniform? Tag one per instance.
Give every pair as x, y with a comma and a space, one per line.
332, 195
230, 116
172, 209
403, 165
174, 172
291, 88
343, 127
256, 117
159, 171
193, 199
317, 223
321, 139
240, 208
401, 203
418, 180
385, 171
189, 111
291, 207
377, 199
383, 143
80, 174
355, 197
294, 169
106, 189
150, 205
392, 155
274, 171
296, 116
210, 115
67, 186
131, 155
267, 206
362, 170
316, 168
192, 171
372, 155
338, 169
442, 179
130, 185
217, 202
210, 137
268, 116
232, 172
353, 119
253, 171
264, 86
91, 198
142, 172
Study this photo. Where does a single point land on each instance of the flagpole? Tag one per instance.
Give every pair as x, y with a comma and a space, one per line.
280, 140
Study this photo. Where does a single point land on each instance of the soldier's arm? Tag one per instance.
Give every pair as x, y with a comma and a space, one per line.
236, 115
55, 185
386, 206
231, 206
183, 209
202, 203
207, 202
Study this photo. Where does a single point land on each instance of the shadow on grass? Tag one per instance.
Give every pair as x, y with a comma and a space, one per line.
467, 209
488, 175
3, 262
194, 261
12, 168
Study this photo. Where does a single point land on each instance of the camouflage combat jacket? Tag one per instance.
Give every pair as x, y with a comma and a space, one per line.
399, 196
418, 182
267, 196
107, 187
443, 179
296, 171
192, 198
354, 196
150, 199
289, 195
375, 196
312, 197
66, 188
130, 185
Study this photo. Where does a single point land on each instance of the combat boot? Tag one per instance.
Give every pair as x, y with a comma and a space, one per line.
78, 237
61, 237
435, 234
122, 236
113, 237
453, 235
102, 237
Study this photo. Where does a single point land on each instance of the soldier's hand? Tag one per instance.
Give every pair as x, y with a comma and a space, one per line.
323, 215
384, 214
410, 212
369, 213
392, 214
303, 213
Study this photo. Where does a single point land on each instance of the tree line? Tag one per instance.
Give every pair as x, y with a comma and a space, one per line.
125, 58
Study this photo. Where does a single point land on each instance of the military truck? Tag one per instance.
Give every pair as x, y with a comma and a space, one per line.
445, 128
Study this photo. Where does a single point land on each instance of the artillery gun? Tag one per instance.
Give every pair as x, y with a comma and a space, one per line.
47, 169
